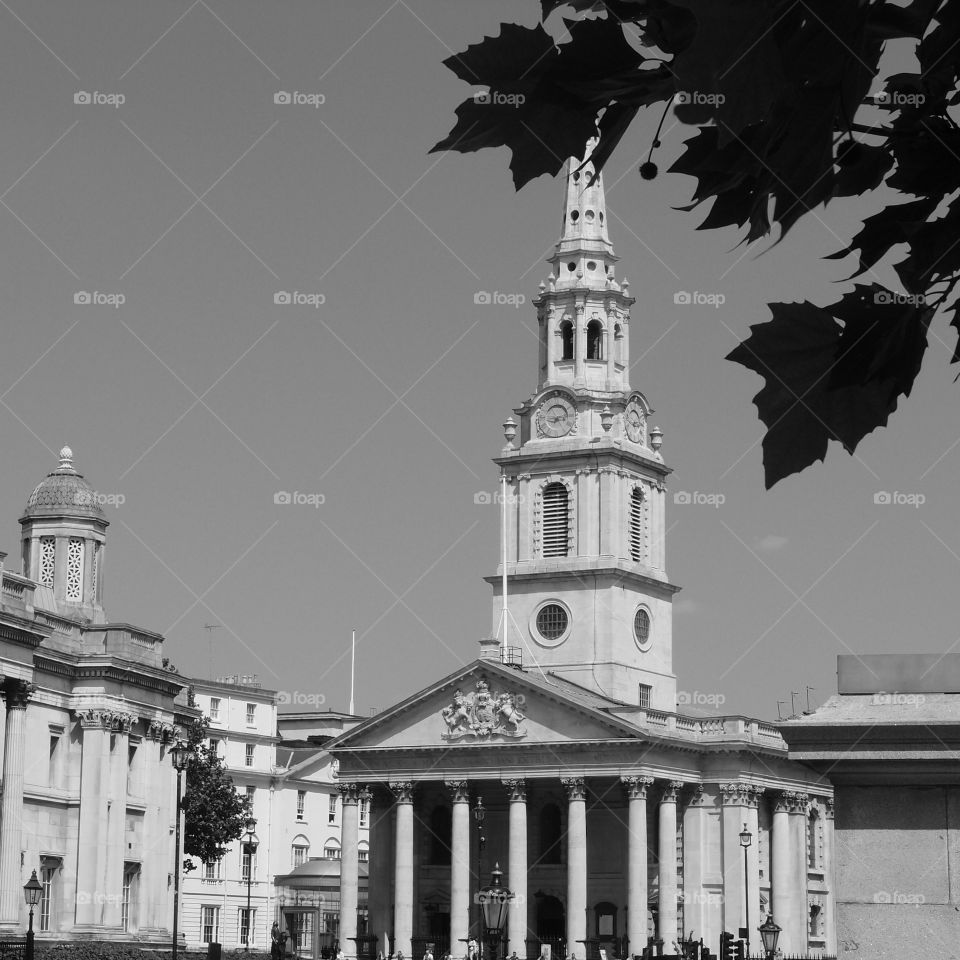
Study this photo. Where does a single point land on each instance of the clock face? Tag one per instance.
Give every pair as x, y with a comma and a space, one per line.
635, 421
556, 417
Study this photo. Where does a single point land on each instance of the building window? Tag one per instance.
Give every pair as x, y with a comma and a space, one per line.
636, 525
813, 837
251, 796
210, 925
815, 929
441, 835
215, 746
248, 758
552, 623
363, 854
551, 834
555, 520
299, 851
641, 628
132, 768
214, 708
643, 695
247, 927
53, 763
331, 849
75, 569
211, 870
248, 862
128, 900
251, 714
364, 813
594, 340
48, 554
48, 872
332, 809
301, 804
566, 340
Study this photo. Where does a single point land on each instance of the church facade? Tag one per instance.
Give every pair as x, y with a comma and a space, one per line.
90, 710
559, 754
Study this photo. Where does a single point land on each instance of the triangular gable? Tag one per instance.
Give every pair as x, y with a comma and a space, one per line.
485, 702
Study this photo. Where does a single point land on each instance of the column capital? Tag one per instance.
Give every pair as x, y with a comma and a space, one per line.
575, 788
695, 796
459, 790
736, 793
349, 793
636, 787
402, 790
17, 693
790, 801
671, 790
516, 790
159, 730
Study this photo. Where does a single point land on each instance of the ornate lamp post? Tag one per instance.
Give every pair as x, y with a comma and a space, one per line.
179, 755
769, 934
494, 901
32, 892
746, 838
251, 846
479, 814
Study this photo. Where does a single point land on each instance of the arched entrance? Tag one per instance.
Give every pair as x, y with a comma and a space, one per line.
551, 926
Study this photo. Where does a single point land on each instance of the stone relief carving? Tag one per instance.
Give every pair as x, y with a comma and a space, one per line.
483, 714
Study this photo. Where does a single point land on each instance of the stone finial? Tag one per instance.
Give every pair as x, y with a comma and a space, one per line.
66, 459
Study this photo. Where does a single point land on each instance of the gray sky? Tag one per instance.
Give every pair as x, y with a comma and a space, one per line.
197, 399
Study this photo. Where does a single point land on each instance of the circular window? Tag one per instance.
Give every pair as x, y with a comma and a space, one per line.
550, 623
571, 266
641, 628
589, 215
574, 215
591, 265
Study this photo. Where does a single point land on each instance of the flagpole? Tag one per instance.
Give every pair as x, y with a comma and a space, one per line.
353, 659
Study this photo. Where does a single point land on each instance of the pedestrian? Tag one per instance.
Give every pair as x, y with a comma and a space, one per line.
427, 955
278, 942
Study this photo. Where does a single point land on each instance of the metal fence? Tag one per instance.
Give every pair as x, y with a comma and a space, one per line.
13, 949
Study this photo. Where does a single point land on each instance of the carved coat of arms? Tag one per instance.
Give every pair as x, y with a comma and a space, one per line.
483, 714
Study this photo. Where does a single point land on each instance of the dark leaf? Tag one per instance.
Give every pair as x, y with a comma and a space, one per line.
871, 163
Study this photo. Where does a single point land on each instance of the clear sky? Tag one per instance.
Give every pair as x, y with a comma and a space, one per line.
197, 198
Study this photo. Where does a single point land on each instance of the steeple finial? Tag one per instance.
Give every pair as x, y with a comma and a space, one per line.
66, 459
584, 207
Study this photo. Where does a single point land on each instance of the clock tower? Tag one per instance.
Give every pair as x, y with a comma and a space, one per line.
588, 595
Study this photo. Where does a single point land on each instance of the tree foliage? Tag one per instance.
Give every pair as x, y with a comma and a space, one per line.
214, 813
790, 115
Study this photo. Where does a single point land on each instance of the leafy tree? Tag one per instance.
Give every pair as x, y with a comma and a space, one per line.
214, 813
789, 115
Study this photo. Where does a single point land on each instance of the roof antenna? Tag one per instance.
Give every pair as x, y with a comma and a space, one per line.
779, 711
793, 706
353, 661
808, 711
210, 627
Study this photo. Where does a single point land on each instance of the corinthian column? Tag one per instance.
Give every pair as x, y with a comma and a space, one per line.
636, 788
459, 866
403, 865
349, 866
782, 881
517, 915
576, 865
118, 744
92, 839
16, 693
667, 856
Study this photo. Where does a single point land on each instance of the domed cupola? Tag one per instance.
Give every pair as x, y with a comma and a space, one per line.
63, 531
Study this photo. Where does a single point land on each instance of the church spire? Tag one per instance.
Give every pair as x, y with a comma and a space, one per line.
584, 208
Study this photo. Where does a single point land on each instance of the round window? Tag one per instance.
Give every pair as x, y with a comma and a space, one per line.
574, 215
551, 624
641, 627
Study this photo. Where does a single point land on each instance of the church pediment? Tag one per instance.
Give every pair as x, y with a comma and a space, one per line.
482, 704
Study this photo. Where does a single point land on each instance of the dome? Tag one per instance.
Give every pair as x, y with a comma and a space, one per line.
64, 493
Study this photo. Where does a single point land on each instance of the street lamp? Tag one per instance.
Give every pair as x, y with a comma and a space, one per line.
494, 901
479, 814
32, 892
746, 838
769, 934
179, 755
251, 830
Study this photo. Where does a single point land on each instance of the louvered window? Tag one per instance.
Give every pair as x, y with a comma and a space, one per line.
636, 525
48, 552
556, 520
75, 569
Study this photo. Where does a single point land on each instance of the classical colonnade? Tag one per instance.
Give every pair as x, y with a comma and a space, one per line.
674, 799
